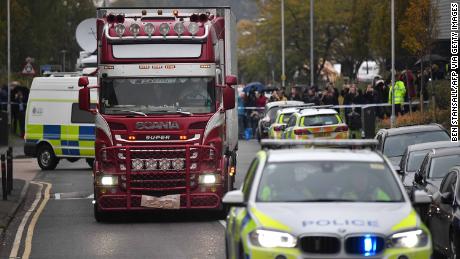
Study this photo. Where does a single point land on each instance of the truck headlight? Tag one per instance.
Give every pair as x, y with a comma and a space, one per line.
137, 164
408, 239
271, 239
208, 179
109, 180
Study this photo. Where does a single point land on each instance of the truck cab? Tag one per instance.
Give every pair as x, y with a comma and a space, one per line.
166, 125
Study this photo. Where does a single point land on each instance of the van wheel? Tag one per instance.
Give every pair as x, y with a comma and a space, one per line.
90, 162
46, 158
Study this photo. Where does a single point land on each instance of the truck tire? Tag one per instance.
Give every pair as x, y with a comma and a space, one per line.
99, 216
46, 158
90, 162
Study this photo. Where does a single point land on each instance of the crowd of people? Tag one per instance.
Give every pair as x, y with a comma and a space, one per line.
408, 86
19, 96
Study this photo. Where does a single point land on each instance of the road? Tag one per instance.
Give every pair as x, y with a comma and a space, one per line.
66, 227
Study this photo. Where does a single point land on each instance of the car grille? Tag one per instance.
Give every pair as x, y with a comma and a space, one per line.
320, 244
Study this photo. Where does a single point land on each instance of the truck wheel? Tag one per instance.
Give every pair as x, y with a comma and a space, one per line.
90, 162
99, 216
46, 158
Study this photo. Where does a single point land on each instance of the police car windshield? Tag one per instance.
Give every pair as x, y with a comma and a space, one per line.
440, 166
158, 95
328, 181
286, 117
397, 144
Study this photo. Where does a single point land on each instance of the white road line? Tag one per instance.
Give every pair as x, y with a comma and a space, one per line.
90, 196
18, 237
223, 223
57, 196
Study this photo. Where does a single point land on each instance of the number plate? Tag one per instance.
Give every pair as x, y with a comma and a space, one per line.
168, 202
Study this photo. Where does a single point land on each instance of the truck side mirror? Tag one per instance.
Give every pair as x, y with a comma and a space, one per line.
84, 98
83, 81
231, 80
229, 97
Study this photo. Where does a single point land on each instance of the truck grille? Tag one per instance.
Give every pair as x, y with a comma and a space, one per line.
320, 244
164, 169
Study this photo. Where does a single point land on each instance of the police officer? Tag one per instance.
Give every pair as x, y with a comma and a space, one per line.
399, 92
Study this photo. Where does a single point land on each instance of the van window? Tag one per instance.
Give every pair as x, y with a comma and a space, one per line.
79, 116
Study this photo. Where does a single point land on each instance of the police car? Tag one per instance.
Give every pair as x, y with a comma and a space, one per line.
282, 116
316, 123
324, 203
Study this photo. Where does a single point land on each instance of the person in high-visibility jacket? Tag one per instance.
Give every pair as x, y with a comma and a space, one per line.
400, 93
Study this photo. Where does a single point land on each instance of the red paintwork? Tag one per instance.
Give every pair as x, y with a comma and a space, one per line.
151, 182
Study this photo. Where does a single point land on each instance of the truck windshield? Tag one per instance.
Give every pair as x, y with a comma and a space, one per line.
158, 95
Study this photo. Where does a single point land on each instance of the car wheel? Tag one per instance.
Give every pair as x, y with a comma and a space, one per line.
46, 158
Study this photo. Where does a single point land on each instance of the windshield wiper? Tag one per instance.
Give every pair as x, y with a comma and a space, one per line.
135, 112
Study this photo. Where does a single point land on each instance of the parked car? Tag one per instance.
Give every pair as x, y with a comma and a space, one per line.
413, 158
269, 116
393, 142
444, 215
282, 116
314, 122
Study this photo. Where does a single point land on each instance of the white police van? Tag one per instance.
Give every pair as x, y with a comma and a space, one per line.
55, 126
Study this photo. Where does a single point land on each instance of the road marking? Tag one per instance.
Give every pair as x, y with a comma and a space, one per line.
33, 222
223, 223
90, 196
18, 237
57, 196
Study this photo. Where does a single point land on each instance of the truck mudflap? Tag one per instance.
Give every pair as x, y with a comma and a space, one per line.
159, 177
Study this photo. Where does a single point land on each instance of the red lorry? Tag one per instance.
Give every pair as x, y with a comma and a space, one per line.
166, 121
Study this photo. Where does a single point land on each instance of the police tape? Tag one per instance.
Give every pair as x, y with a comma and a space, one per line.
345, 106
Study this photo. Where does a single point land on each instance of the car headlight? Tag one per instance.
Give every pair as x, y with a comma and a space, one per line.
271, 239
408, 239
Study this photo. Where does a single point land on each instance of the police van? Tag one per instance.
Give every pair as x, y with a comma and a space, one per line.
55, 126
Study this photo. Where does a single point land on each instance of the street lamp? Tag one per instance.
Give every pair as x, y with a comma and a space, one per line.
393, 118
312, 67
283, 62
63, 59
9, 65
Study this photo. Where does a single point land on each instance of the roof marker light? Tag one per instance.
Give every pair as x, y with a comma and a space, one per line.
149, 28
120, 29
164, 29
134, 29
120, 18
111, 18
179, 28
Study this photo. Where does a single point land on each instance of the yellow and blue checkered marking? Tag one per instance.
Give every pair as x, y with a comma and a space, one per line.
67, 140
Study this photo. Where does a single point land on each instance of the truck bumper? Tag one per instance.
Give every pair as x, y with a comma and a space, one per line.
116, 202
